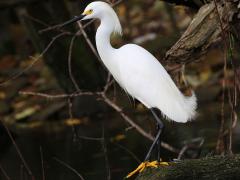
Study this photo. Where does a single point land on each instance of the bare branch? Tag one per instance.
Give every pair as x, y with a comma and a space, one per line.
109, 82
70, 108
128, 152
70, 63
4, 173
36, 20
90, 138
18, 152
220, 144
42, 164
88, 40
57, 26
14, 76
59, 96
191, 144
111, 104
104, 148
69, 167
126, 118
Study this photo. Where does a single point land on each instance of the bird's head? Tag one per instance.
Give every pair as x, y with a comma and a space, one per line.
98, 10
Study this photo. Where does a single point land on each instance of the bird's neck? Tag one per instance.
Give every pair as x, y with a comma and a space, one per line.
107, 53
103, 38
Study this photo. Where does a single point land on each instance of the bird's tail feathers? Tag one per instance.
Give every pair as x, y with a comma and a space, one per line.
183, 110
191, 106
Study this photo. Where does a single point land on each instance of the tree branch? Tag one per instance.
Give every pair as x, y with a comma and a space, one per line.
209, 168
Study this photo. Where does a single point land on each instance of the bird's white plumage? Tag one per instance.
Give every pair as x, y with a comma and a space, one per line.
139, 72
144, 78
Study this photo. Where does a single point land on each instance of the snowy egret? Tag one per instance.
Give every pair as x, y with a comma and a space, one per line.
139, 73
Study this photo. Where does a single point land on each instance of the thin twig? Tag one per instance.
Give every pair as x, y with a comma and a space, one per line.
88, 41
90, 138
134, 125
58, 96
69, 167
232, 99
116, 3
70, 108
125, 117
74, 130
14, 76
109, 82
111, 104
220, 142
36, 20
44, 24
21, 172
57, 26
18, 152
54, 27
233, 119
235, 105
128, 152
104, 148
92, 47
224, 36
42, 164
70, 63
190, 144
4, 173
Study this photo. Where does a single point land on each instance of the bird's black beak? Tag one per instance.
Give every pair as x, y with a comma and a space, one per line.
75, 19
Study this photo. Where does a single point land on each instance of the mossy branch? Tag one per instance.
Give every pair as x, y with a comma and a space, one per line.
209, 168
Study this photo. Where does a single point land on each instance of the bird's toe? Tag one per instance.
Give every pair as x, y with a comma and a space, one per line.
146, 164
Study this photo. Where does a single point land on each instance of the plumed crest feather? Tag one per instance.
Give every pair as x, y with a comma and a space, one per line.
105, 9
118, 28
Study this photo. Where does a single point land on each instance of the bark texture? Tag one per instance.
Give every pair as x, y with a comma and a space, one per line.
205, 31
209, 168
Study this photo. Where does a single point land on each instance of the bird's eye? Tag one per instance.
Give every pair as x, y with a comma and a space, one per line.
90, 11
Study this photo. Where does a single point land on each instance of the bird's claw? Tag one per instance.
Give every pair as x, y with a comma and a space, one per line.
144, 165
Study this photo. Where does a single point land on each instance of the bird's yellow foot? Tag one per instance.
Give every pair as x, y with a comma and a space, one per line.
144, 165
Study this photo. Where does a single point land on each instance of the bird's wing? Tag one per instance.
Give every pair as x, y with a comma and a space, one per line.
145, 79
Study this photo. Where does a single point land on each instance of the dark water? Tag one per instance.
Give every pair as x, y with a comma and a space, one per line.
87, 156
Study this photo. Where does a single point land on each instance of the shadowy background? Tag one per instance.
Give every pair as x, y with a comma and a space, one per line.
94, 139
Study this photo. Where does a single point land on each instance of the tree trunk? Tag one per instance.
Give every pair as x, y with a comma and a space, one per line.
209, 168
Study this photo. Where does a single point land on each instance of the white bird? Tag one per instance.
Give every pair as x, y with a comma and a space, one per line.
137, 71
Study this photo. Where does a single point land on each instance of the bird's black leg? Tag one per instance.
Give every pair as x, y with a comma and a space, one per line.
158, 145
152, 146
157, 139
160, 127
